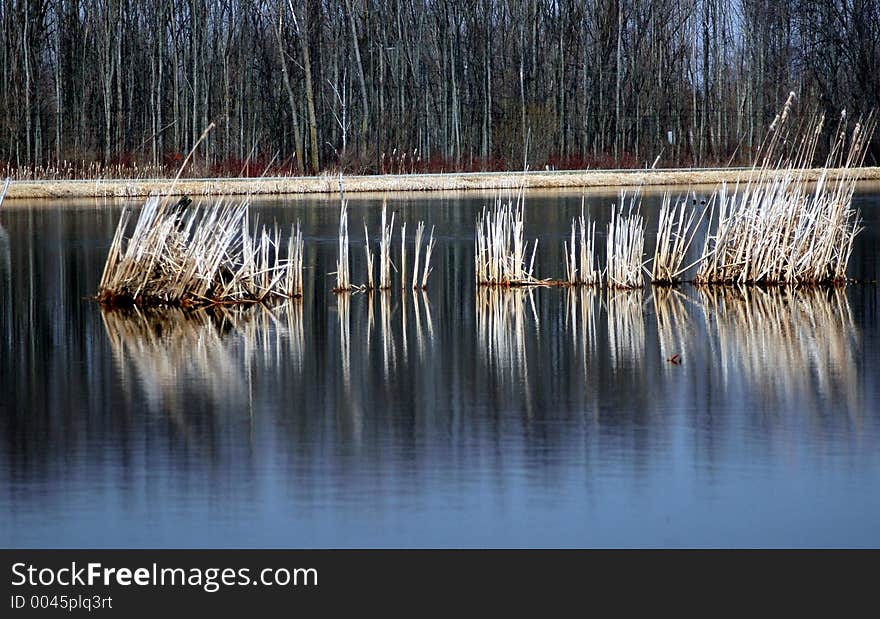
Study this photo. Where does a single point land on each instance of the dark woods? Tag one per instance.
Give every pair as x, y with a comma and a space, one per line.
418, 85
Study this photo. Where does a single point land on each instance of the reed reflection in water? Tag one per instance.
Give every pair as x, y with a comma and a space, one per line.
503, 324
4, 254
212, 350
580, 322
780, 344
787, 344
626, 326
5, 260
673, 332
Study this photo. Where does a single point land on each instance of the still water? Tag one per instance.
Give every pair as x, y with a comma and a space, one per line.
457, 417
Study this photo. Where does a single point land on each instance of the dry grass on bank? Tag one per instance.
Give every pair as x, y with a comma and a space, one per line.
135, 188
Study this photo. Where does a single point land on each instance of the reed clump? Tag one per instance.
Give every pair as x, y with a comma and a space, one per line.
784, 226
504, 258
501, 249
625, 245
580, 253
188, 256
385, 249
429, 249
781, 229
422, 268
675, 232
369, 257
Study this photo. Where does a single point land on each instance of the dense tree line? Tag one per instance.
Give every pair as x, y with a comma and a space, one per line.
422, 84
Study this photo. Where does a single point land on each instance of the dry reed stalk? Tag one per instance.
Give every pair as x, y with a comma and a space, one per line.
501, 250
385, 249
343, 279
294, 275
625, 245
420, 231
580, 269
5, 189
403, 256
429, 248
675, 233
570, 259
369, 259
420, 271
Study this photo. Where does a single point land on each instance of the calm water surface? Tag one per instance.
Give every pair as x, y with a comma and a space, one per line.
452, 418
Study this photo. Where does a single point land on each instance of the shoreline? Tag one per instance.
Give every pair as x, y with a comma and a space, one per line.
467, 181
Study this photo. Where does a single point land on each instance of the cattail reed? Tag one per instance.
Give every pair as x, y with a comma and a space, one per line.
625, 246
420, 230
385, 249
343, 279
781, 230
501, 250
294, 280
3, 192
421, 271
429, 248
403, 255
368, 254
580, 269
675, 233
191, 257
421, 264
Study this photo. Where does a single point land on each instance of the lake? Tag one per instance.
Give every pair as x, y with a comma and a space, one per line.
457, 417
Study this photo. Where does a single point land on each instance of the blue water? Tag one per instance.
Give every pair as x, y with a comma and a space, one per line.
455, 418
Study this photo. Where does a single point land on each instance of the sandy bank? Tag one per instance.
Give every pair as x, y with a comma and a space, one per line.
389, 183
